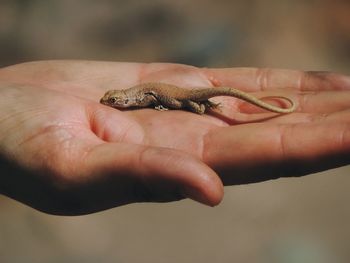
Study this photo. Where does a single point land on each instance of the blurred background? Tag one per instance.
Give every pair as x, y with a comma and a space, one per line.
302, 220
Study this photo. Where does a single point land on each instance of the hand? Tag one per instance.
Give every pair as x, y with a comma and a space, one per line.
64, 153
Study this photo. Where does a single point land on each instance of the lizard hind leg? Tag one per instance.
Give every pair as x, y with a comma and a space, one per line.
195, 107
165, 103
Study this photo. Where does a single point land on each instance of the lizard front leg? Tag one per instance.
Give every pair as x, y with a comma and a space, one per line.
161, 102
147, 100
160, 107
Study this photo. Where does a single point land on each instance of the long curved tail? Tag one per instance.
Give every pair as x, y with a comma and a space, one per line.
228, 91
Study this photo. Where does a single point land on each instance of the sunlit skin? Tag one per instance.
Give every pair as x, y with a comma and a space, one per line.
63, 152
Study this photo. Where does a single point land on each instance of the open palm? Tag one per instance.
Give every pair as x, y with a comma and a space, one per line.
65, 153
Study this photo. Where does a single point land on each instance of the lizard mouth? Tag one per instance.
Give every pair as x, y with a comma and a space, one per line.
103, 101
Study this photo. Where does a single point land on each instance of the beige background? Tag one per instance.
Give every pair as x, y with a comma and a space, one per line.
287, 220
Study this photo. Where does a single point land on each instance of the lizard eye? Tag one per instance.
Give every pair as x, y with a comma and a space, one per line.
112, 100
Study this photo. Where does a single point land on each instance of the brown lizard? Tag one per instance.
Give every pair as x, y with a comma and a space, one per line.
163, 96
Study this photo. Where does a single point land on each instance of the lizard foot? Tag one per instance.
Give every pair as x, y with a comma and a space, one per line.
213, 105
160, 108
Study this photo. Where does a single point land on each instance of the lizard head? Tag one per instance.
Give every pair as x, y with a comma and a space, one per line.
116, 99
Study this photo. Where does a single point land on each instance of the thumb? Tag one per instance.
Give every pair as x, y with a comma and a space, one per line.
127, 173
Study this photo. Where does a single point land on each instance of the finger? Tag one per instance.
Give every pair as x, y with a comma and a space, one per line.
257, 152
295, 118
86, 79
255, 79
329, 118
324, 102
151, 173
117, 174
307, 102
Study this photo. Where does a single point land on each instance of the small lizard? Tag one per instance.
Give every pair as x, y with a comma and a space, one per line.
163, 96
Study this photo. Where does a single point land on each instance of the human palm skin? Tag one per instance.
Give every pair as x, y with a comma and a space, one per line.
64, 153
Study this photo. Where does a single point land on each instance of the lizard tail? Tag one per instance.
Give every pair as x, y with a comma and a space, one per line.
228, 91
264, 105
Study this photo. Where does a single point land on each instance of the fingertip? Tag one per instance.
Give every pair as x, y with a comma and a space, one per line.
209, 191
193, 178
